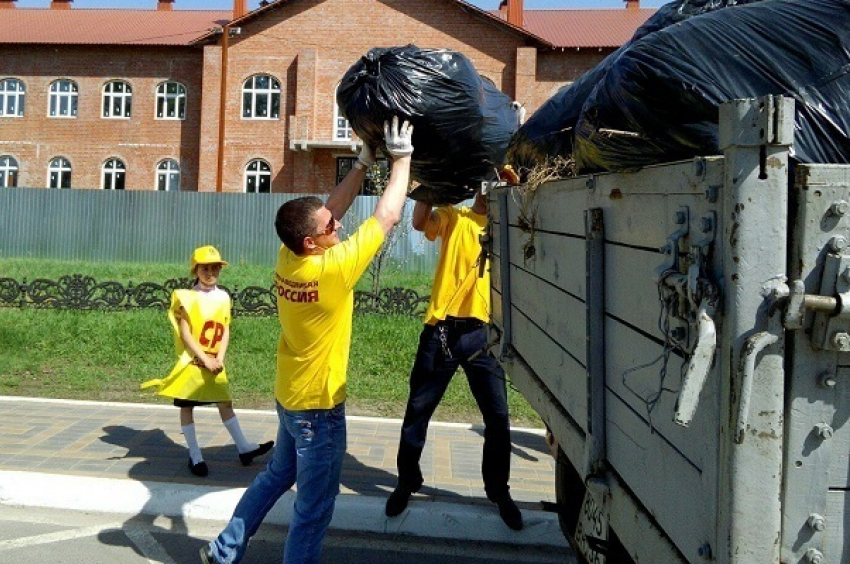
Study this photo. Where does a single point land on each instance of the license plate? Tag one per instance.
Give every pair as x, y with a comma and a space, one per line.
591, 536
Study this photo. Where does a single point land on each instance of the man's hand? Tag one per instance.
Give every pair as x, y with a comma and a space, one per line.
399, 141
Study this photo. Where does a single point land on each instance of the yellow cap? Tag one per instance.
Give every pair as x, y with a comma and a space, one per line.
205, 255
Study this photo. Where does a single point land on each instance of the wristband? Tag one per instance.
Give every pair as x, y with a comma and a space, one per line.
360, 165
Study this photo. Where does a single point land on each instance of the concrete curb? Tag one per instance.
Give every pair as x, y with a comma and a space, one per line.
355, 513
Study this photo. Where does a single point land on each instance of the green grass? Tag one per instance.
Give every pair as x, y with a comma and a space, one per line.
106, 355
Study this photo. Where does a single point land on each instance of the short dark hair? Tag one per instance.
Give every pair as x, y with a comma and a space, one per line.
295, 220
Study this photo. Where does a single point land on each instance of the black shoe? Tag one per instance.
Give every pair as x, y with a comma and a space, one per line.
246, 457
207, 555
199, 469
397, 502
509, 512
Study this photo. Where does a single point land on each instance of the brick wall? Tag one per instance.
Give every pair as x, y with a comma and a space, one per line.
557, 68
88, 140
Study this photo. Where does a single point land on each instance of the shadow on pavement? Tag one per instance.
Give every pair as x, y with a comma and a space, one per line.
157, 455
526, 445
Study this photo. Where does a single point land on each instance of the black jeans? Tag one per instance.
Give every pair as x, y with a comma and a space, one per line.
431, 374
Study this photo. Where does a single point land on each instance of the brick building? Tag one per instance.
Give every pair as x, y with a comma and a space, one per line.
240, 101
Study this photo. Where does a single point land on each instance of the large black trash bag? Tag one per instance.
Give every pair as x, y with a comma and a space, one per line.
667, 88
549, 131
462, 123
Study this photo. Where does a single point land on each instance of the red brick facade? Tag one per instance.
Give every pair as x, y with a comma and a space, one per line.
306, 45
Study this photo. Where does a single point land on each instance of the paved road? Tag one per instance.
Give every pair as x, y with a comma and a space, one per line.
54, 536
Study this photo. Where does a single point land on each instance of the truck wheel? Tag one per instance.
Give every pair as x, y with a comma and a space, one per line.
569, 493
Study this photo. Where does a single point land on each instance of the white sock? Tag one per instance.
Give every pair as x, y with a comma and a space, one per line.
192, 440
235, 430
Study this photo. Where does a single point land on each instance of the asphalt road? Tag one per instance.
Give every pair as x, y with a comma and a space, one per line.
31, 535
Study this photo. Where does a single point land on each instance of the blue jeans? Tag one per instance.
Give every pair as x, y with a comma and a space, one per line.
309, 451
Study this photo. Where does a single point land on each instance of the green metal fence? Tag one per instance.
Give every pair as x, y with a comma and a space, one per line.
158, 227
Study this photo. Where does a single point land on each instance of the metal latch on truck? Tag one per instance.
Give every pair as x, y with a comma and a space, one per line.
831, 306
693, 297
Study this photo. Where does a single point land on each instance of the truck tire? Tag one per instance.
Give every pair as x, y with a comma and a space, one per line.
569, 494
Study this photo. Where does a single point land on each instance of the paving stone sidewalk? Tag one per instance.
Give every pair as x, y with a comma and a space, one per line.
143, 442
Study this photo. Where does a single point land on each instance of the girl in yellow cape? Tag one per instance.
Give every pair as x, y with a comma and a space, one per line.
200, 318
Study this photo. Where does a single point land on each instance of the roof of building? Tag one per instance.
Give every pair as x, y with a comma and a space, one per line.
567, 29
492, 17
108, 27
582, 29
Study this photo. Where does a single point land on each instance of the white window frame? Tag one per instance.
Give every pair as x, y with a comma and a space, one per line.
122, 99
258, 174
368, 187
8, 171
63, 92
168, 99
62, 168
342, 127
112, 170
167, 176
252, 92
12, 90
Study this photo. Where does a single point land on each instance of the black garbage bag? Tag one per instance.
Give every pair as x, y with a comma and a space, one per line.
550, 130
659, 101
462, 123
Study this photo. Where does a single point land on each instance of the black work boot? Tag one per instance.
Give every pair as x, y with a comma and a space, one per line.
508, 511
397, 502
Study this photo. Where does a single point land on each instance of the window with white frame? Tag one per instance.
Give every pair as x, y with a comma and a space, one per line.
113, 176
63, 99
258, 177
376, 175
117, 99
170, 101
261, 97
342, 128
168, 176
8, 172
59, 173
11, 97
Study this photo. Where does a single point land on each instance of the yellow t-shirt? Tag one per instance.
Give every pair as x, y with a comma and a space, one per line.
315, 304
458, 291
209, 315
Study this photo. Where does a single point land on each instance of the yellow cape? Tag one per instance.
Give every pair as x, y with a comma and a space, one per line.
208, 312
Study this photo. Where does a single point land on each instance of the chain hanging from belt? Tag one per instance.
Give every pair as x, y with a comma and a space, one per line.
443, 336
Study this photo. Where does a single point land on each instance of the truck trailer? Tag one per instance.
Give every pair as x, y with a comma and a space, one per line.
683, 331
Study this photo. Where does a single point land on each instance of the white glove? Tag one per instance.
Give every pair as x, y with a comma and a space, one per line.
367, 156
519, 110
399, 141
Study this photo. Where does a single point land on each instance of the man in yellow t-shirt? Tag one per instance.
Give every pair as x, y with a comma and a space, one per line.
455, 334
314, 281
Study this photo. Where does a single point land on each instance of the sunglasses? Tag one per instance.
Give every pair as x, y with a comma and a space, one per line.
329, 228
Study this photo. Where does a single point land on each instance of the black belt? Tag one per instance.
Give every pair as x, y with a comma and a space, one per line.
461, 323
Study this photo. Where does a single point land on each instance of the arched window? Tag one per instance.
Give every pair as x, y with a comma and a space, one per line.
258, 177
113, 175
261, 97
117, 99
63, 99
8, 172
11, 97
170, 101
168, 176
59, 173
342, 129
